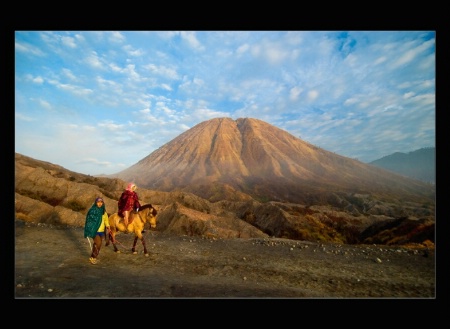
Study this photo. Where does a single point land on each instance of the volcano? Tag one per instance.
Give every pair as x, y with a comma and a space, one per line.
246, 158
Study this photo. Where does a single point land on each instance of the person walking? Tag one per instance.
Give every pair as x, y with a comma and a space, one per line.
128, 201
96, 224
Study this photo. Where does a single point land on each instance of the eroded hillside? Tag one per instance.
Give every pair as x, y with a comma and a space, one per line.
47, 193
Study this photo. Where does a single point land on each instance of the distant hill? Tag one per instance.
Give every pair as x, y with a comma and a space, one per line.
419, 164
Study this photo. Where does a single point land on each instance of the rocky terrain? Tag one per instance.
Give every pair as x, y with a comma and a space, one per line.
48, 193
51, 262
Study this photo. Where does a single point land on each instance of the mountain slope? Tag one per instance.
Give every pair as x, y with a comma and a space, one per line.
223, 158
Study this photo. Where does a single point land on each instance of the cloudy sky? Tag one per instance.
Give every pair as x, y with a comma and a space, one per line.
97, 102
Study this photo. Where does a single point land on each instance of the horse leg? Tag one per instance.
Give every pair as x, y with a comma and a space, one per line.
136, 238
115, 247
111, 238
107, 238
145, 247
134, 245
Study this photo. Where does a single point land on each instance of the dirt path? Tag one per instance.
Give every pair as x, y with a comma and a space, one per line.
52, 262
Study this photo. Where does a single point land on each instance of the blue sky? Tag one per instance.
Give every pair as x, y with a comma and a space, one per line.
97, 102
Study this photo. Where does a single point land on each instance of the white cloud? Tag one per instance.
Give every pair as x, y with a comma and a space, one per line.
347, 91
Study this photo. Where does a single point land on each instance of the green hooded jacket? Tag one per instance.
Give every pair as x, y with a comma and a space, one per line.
93, 220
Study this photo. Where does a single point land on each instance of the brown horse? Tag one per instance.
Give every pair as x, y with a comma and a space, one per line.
146, 214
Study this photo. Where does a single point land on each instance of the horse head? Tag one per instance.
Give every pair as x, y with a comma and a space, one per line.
148, 213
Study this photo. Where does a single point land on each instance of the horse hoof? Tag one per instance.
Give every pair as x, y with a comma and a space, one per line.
146, 255
135, 252
118, 252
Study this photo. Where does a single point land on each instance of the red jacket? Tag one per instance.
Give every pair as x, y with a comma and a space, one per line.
128, 201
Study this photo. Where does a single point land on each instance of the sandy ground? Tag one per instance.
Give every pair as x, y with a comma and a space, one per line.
53, 262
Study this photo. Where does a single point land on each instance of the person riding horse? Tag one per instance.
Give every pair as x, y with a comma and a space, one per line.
128, 201
146, 214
